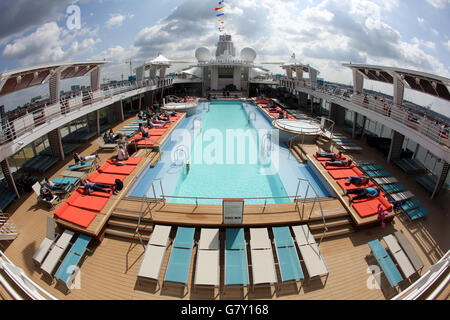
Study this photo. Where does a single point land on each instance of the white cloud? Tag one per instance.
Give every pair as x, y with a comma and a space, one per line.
117, 20
420, 20
447, 44
438, 4
49, 43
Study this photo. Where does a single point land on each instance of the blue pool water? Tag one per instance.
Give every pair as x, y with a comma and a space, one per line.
227, 170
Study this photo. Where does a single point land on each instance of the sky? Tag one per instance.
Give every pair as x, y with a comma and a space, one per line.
411, 34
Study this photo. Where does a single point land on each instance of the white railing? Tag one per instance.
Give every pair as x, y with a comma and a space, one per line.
27, 286
382, 106
8, 230
14, 129
425, 282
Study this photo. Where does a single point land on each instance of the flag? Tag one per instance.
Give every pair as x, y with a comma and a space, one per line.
218, 8
220, 14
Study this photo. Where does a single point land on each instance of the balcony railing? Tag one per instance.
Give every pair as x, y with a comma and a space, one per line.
13, 129
385, 107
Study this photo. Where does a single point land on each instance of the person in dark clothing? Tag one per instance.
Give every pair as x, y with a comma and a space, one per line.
358, 181
362, 193
46, 193
339, 163
330, 155
90, 187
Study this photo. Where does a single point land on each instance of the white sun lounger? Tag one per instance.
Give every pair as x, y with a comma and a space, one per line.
49, 264
312, 257
47, 243
151, 264
303, 235
103, 145
385, 180
207, 271
400, 256
402, 195
263, 264
349, 148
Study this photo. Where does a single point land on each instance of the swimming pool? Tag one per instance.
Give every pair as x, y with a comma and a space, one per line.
229, 155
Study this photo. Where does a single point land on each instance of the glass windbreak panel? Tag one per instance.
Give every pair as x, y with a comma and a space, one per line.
41, 144
64, 131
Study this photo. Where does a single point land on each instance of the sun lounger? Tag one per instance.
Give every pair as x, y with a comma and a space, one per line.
349, 148
6, 198
236, 266
180, 257
152, 261
37, 190
105, 178
399, 255
207, 270
102, 145
47, 243
417, 213
49, 264
68, 270
412, 254
310, 252
79, 166
378, 174
411, 204
73, 174
67, 180
402, 195
288, 261
372, 167
263, 265
392, 188
392, 274
115, 169
385, 180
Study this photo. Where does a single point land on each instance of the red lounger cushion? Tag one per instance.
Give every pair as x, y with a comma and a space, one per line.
105, 178
148, 142
95, 193
157, 132
343, 185
87, 202
80, 217
336, 167
291, 117
114, 169
130, 161
327, 159
342, 173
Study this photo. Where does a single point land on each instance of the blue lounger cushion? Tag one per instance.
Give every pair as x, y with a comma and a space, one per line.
418, 213
385, 262
67, 267
66, 180
184, 238
178, 267
282, 236
234, 239
289, 264
392, 188
236, 267
372, 167
80, 166
378, 173
411, 204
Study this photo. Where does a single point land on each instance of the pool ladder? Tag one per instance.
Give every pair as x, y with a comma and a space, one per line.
266, 144
250, 116
181, 148
199, 126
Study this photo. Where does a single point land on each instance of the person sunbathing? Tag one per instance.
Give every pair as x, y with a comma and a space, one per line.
54, 186
143, 131
78, 158
151, 124
357, 181
330, 155
90, 187
362, 193
339, 163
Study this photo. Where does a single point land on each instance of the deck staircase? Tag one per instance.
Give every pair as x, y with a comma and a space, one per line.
298, 152
8, 230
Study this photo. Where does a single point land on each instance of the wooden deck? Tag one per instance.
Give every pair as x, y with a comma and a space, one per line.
359, 221
254, 215
111, 271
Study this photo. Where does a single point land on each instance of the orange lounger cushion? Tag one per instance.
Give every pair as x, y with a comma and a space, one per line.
87, 202
352, 186
343, 173
157, 132
105, 178
80, 217
95, 193
148, 142
130, 161
114, 169
336, 167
